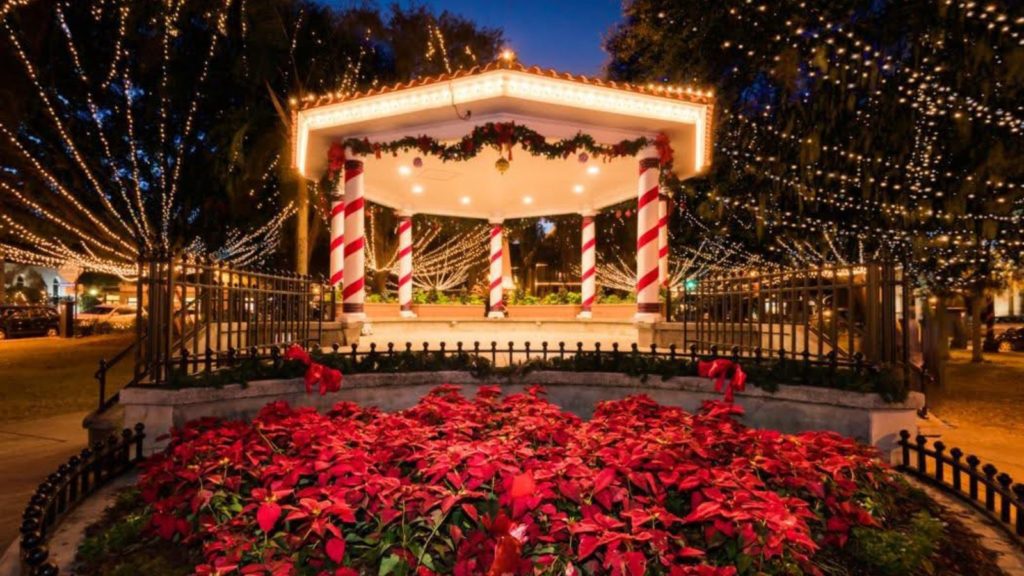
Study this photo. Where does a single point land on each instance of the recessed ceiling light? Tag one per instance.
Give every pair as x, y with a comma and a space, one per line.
417, 189
578, 189
464, 200
527, 200
593, 170
404, 170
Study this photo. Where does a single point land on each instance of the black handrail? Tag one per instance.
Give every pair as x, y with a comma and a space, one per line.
104, 368
993, 493
66, 487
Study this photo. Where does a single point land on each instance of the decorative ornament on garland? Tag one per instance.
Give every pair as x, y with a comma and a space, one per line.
502, 165
583, 158
417, 162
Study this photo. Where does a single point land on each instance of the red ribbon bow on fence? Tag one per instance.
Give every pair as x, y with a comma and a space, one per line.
718, 369
329, 379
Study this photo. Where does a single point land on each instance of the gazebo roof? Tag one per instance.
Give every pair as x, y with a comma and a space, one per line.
556, 105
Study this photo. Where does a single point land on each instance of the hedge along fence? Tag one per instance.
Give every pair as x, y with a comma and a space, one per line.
69, 485
994, 494
764, 371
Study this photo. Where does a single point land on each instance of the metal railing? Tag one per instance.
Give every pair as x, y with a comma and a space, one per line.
200, 309
993, 493
633, 359
197, 307
815, 312
71, 483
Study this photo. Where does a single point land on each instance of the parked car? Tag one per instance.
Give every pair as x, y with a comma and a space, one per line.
28, 321
116, 315
1012, 339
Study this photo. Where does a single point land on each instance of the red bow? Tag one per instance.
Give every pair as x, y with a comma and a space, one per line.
664, 147
295, 352
329, 379
718, 369
335, 159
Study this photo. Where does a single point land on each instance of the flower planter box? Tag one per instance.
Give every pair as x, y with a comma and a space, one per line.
791, 409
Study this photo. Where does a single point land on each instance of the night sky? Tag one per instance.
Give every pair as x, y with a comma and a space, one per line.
561, 34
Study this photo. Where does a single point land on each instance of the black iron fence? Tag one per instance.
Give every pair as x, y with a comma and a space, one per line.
195, 312
982, 485
199, 316
196, 308
71, 483
812, 312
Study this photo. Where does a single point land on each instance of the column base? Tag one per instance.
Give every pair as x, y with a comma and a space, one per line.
585, 315
353, 317
496, 314
646, 317
407, 314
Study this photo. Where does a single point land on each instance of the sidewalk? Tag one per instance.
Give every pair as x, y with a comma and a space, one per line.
980, 410
30, 450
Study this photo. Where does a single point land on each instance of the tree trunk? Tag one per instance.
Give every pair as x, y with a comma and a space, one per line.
3, 279
302, 228
942, 328
977, 307
380, 281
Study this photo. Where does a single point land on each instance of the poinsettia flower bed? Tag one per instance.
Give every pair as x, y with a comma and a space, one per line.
511, 485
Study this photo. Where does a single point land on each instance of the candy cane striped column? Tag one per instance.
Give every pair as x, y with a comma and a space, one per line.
647, 307
662, 238
354, 293
496, 307
337, 235
588, 268
405, 266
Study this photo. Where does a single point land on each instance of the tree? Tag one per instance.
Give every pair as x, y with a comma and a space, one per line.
131, 126
869, 129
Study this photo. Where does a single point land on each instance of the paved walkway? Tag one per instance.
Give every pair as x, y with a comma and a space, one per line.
980, 411
30, 450
1010, 557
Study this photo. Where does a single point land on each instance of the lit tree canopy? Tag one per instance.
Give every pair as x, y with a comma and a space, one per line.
853, 129
131, 126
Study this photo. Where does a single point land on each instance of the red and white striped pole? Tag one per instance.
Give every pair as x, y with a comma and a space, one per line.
588, 267
662, 238
354, 293
337, 234
647, 307
405, 266
496, 307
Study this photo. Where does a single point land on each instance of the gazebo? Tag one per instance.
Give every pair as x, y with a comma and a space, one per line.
500, 142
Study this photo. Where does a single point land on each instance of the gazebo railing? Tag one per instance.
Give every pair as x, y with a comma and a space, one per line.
981, 485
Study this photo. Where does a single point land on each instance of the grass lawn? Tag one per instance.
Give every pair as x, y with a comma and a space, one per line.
47, 376
983, 404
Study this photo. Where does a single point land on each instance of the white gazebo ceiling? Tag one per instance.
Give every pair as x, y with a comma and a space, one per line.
557, 106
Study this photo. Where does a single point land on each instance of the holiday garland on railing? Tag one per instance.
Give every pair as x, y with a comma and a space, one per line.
502, 136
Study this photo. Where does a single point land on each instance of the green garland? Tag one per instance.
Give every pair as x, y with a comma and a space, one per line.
502, 136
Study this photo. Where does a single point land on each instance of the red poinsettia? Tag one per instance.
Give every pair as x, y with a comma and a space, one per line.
639, 487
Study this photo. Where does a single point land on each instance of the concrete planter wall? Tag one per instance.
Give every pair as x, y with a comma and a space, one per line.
792, 409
